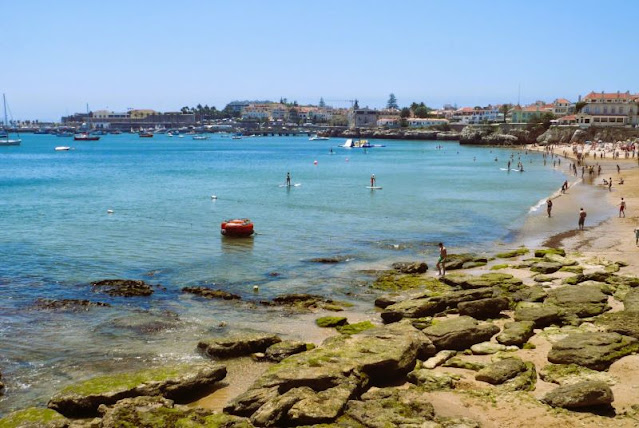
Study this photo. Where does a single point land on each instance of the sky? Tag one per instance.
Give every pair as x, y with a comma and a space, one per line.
61, 55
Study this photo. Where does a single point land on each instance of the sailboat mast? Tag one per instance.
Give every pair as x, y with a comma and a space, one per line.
4, 103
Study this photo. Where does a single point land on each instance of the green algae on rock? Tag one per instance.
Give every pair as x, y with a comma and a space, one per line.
500, 266
327, 322
237, 345
355, 328
34, 417
83, 399
512, 253
542, 252
593, 350
399, 282
565, 374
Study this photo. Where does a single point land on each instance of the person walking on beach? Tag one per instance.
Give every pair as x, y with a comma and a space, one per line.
288, 179
441, 262
622, 208
373, 180
549, 206
582, 218
636, 235
610, 184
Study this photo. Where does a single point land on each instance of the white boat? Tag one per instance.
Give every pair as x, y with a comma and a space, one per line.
62, 148
318, 138
5, 140
200, 137
168, 134
348, 144
236, 137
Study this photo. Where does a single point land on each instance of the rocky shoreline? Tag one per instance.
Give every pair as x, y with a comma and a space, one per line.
545, 328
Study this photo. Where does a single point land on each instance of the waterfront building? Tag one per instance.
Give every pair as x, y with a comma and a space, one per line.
529, 113
133, 119
562, 107
416, 122
389, 122
362, 118
609, 109
475, 115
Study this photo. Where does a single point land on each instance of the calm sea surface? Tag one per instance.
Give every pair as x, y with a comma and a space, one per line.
56, 236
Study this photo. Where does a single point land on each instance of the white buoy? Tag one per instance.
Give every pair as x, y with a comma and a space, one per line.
109, 211
256, 288
213, 196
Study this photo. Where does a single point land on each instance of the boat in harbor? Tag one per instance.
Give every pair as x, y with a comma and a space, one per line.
359, 144
62, 148
200, 137
85, 136
5, 140
145, 134
318, 138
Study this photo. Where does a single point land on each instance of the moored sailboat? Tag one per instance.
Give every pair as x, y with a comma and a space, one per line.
5, 140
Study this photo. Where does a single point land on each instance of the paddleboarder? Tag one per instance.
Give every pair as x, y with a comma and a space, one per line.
373, 180
288, 179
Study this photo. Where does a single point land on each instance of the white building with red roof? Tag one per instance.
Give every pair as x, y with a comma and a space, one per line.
609, 109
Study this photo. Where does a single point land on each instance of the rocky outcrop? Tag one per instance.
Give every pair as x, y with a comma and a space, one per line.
84, 399
278, 351
501, 371
516, 333
596, 351
573, 134
410, 267
483, 308
34, 417
305, 302
623, 322
123, 287
542, 315
390, 407
237, 346
459, 333
209, 293
331, 375
578, 395
67, 304
581, 301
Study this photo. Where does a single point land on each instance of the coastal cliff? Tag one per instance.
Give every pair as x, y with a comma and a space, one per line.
574, 134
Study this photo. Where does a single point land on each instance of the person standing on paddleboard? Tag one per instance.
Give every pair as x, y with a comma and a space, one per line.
373, 180
288, 179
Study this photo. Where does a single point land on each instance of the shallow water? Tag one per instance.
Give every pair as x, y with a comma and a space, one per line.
57, 236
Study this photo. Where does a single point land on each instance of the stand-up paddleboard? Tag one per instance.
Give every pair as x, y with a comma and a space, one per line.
504, 169
374, 187
290, 185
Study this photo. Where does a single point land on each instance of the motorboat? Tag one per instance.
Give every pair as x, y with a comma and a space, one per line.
62, 148
84, 136
318, 138
237, 228
359, 144
200, 137
146, 134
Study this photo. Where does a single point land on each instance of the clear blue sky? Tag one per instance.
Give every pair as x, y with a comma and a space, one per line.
60, 55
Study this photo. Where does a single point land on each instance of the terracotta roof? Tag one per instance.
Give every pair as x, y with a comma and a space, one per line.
568, 117
609, 96
562, 100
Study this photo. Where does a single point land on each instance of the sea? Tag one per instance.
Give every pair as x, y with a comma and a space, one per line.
151, 208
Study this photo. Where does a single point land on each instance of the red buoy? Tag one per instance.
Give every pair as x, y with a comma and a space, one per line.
237, 228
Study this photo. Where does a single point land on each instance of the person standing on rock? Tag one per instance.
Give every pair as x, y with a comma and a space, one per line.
549, 206
441, 262
582, 218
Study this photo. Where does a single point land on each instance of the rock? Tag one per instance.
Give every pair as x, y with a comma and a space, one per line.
278, 351
512, 253
556, 258
470, 265
386, 300
516, 333
544, 278
177, 381
545, 267
572, 269
487, 348
578, 395
623, 322
238, 345
611, 268
210, 293
34, 417
391, 407
459, 333
393, 281
593, 350
456, 261
329, 260
492, 279
347, 362
140, 322
501, 371
629, 281
410, 267
414, 308
460, 363
542, 315
160, 412
438, 359
324, 406
534, 293
355, 328
631, 301
430, 380
524, 381
67, 304
543, 252
123, 287
568, 374
302, 301
273, 412
483, 308
581, 300
327, 322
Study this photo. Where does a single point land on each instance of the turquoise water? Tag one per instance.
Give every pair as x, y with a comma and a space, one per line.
57, 236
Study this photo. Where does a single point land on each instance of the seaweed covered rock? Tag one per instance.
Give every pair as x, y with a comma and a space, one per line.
305, 302
581, 300
545, 267
430, 380
542, 315
512, 253
594, 350
327, 322
578, 395
391, 407
516, 333
209, 293
34, 417
67, 304
160, 412
393, 281
459, 333
566, 374
457, 261
501, 371
123, 287
410, 267
623, 322
278, 351
239, 345
83, 399
631, 301
339, 369
542, 252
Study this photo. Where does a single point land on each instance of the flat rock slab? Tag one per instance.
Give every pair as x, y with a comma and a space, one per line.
459, 333
595, 351
623, 322
541, 315
67, 304
34, 417
578, 395
278, 351
516, 333
545, 267
84, 399
237, 346
391, 407
430, 380
501, 371
631, 301
582, 300
410, 267
209, 293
